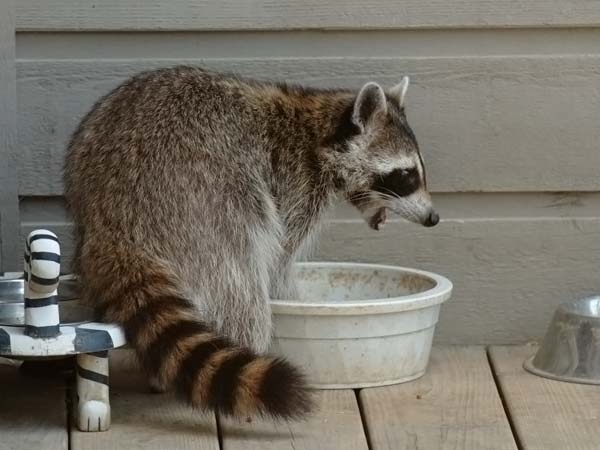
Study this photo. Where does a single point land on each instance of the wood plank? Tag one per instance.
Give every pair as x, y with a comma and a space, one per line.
307, 43
462, 109
34, 412
450, 205
477, 205
335, 425
454, 406
508, 273
143, 420
9, 200
77, 15
547, 414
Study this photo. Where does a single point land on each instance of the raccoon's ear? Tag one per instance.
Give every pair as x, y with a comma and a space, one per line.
399, 91
369, 101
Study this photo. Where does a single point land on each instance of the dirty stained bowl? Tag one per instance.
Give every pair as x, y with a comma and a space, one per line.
359, 325
570, 350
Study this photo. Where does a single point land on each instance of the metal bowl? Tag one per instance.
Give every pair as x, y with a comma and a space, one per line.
570, 350
12, 304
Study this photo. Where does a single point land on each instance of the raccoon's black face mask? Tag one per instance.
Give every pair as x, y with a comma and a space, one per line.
389, 174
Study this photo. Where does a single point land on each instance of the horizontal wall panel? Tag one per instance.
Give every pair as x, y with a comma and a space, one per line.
484, 123
308, 43
457, 206
76, 15
489, 205
508, 274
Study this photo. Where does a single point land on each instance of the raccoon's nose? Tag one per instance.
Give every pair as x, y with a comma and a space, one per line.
432, 220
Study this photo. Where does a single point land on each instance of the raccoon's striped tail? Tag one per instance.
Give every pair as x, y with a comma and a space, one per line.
176, 349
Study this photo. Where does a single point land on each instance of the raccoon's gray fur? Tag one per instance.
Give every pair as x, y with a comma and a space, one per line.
193, 193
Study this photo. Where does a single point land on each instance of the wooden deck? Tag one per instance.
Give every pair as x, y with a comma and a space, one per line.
471, 398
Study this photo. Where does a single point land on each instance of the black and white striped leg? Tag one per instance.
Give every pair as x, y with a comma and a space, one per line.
93, 410
42, 269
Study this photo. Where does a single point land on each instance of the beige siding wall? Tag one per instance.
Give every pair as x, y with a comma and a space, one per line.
505, 102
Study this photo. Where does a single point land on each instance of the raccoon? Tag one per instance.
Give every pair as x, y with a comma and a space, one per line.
193, 193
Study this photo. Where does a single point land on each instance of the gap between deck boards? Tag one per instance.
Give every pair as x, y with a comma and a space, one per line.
503, 400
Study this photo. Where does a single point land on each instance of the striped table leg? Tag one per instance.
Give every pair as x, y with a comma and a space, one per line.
42, 269
26, 267
93, 410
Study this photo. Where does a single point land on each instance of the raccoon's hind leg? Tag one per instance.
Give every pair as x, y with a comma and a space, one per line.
243, 311
283, 280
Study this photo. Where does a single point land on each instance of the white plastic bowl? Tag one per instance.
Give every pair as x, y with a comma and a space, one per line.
360, 325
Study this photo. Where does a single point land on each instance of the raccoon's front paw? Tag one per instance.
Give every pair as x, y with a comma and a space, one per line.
378, 219
156, 387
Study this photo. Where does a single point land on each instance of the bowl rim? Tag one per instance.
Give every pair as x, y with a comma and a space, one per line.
439, 293
11, 276
19, 278
570, 307
530, 367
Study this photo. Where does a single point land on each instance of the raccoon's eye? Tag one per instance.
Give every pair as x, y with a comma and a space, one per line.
410, 172
402, 182
413, 172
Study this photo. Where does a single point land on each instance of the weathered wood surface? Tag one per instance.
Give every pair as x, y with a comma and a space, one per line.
547, 414
142, 420
455, 405
76, 15
307, 44
336, 425
484, 123
508, 272
9, 200
450, 205
473, 205
33, 412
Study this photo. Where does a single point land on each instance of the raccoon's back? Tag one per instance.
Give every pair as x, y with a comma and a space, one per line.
141, 120
164, 138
